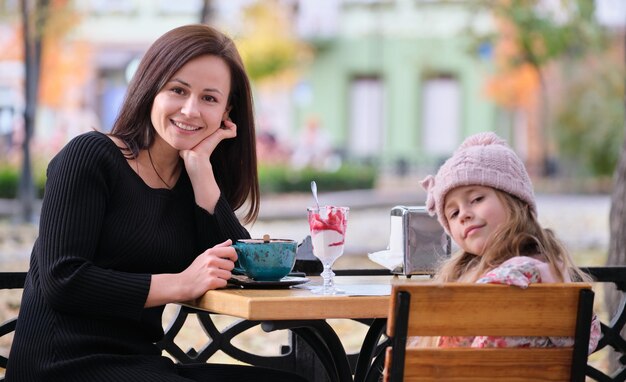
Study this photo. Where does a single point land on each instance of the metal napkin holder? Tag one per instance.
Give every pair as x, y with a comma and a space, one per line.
420, 238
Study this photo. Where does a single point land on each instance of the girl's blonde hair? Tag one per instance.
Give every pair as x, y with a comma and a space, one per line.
521, 235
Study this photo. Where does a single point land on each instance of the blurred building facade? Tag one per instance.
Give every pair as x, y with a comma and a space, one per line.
395, 82
392, 82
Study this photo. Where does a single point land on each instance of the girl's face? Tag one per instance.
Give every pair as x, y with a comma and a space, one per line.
193, 103
474, 213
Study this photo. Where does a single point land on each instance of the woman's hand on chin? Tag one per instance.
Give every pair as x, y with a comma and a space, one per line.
198, 165
199, 156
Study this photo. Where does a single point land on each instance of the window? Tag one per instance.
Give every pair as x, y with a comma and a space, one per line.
366, 116
106, 7
180, 7
441, 115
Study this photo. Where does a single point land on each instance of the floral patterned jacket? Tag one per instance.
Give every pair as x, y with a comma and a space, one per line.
520, 271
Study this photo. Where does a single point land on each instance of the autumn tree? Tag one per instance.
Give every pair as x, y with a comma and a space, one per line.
33, 20
589, 120
530, 36
267, 42
617, 226
42, 22
206, 12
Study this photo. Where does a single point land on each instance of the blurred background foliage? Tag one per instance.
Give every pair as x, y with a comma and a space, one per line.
590, 119
582, 112
277, 179
10, 178
272, 178
265, 47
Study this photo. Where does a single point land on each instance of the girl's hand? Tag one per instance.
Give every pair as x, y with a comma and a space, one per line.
210, 270
198, 165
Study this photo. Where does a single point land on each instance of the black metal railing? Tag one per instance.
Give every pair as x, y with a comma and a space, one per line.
305, 335
612, 331
9, 280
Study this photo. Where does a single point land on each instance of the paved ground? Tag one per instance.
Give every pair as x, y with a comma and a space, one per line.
581, 221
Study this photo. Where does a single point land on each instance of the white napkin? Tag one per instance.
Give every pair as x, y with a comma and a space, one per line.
393, 257
356, 289
392, 260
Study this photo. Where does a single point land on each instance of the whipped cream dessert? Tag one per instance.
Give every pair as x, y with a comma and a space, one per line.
328, 228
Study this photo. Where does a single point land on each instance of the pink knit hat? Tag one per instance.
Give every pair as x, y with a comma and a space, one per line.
483, 159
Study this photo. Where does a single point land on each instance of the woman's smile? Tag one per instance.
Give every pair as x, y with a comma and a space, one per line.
185, 126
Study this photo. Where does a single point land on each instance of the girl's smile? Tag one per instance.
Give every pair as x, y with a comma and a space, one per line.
474, 213
472, 229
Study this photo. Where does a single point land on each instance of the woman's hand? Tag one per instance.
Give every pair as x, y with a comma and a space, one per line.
210, 270
198, 165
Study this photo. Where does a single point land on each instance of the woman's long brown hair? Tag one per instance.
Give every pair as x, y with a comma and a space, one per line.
234, 160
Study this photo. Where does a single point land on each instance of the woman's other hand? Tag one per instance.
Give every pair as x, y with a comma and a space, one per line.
210, 270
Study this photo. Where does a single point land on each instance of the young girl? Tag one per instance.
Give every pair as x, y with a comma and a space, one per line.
483, 198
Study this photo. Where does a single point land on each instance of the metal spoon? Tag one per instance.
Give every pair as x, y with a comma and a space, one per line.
314, 190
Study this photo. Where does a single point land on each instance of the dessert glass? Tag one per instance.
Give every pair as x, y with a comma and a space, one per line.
328, 231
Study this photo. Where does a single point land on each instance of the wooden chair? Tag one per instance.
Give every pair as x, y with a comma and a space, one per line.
455, 309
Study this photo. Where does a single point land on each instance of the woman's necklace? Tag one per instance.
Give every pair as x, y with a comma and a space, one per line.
155, 170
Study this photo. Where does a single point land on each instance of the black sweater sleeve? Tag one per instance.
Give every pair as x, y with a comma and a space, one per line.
80, 178
223, 223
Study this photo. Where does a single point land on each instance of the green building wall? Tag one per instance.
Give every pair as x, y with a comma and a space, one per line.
402, 64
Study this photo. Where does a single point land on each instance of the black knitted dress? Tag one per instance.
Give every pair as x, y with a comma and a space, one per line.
103, 232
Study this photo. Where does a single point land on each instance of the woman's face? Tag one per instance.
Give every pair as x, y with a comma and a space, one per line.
474, 213
193, 103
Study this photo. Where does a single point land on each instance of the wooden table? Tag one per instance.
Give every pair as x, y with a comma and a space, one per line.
304, 313
299, 303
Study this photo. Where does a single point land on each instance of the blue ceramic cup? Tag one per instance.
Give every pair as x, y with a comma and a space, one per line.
265, 260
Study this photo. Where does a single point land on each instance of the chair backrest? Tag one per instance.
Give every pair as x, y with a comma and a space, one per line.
461, 309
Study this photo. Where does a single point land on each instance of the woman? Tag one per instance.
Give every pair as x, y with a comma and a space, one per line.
143, 217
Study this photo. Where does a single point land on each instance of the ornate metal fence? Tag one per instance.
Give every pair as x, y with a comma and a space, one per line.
307, 335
